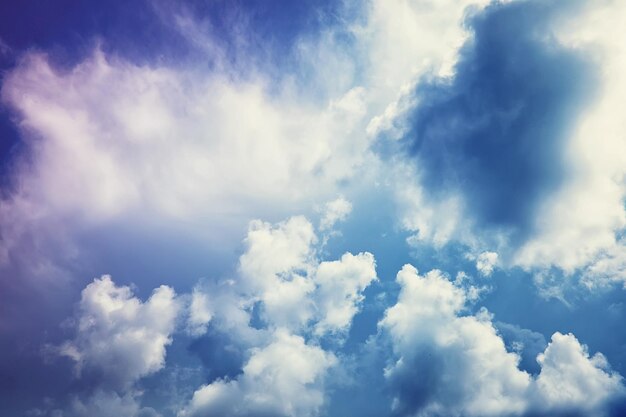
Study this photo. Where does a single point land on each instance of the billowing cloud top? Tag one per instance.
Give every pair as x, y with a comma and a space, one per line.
219, 208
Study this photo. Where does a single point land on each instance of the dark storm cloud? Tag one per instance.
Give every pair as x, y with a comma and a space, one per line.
496, 130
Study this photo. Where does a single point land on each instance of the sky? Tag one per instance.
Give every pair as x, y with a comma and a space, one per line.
247, 208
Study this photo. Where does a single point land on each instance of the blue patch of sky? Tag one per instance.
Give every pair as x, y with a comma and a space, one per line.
496, 130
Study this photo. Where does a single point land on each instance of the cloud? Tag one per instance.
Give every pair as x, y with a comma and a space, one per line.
101, 404
502, 134
503, 151
451, 364
581, 224
119, 338
340, 290
283, 301
486, 262
164, 143
336, 210
281, 269
571, 379
494, 131
447, 364
267, 386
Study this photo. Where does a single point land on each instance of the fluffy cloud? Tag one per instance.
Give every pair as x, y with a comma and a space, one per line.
336, 210
453, 364
119, 338
282, 379
486, 262
570, 379
296, 296
340, 287
165, 143
281, 270
447, 364
276, 267
496, 152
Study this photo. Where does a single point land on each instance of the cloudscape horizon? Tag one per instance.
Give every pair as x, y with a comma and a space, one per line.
402, 208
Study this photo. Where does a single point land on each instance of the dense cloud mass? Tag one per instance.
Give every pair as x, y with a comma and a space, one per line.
451, 364
298, 299
119, 337
257, 183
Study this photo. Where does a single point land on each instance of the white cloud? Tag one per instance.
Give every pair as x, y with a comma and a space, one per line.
578, 225
112, 141
340, 287
297, 295
284, 378
434, 222
335, 211
120, 337
576, 228
281, 269
280, 272
276, 267
486, 262
569, 378
200, 312
453, 364
472, 373
407, 39
608, 267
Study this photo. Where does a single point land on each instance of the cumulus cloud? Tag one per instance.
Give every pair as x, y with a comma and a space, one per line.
281, 269
571, 379
340, 290
282, 379
447, 364
452, 364
296, 295
120, 338
280, 272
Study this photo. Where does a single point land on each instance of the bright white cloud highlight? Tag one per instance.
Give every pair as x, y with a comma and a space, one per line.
579, 226
120, 337
296, 295
486, 262
570, 378
453, 364
335, 211
282, 379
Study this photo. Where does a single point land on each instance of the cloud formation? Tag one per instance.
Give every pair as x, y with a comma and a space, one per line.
452, 364
118, 337
297, 299
506, 147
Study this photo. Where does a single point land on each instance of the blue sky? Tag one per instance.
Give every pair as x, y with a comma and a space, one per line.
403, 208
